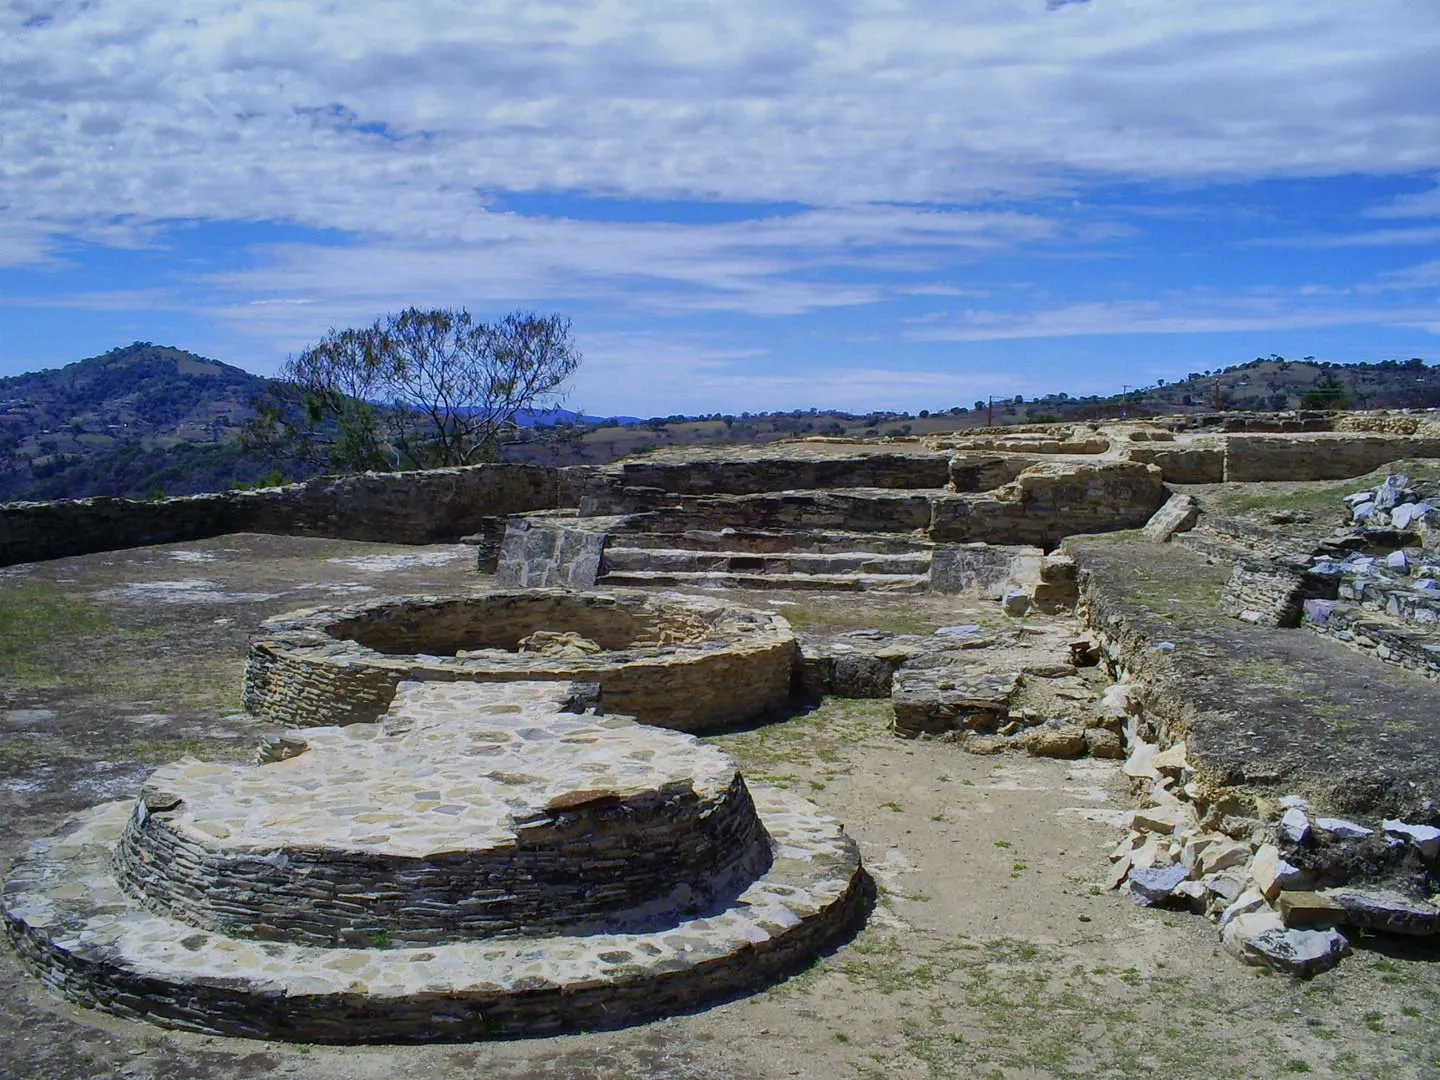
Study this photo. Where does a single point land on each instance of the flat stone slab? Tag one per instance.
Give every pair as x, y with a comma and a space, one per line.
92, 942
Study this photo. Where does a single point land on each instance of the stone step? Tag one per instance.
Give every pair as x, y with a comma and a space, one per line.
855, 582
761, 541
624, 559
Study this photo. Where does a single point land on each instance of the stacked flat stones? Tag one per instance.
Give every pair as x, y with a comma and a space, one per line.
481, 862
682, 662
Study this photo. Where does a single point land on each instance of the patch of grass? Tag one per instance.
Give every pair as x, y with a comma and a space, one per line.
893, 805
39, 623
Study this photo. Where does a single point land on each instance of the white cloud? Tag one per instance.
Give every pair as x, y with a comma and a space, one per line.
1196, 313
386, 119
659, 374
1420, 204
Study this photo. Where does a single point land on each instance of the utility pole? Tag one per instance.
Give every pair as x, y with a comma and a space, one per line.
1218, 406
990, 412
1124, 400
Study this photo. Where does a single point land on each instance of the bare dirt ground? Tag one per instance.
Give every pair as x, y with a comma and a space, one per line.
991, 952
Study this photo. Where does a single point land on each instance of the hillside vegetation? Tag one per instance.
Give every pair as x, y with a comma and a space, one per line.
145, 419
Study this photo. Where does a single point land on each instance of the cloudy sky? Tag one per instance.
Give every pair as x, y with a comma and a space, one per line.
741, 205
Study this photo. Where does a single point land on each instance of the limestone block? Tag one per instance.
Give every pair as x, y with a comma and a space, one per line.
1179, 514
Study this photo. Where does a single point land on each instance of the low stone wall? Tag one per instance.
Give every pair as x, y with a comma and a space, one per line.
985, 570
433, 506
1049, 502
1270, 593
1186, 463
1417, 650
302, 671
563, 871
1321, 456
798, 471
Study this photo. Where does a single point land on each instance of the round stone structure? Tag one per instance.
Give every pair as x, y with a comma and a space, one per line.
481, 862
667, 659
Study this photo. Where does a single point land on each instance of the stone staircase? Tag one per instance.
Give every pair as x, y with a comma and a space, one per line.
767, 559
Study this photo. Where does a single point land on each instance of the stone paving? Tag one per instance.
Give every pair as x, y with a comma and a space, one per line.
529, 810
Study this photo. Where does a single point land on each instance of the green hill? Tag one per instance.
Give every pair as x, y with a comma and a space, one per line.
132, 422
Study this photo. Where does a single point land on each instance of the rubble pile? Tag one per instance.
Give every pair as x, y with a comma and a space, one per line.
1384, 593
1288, 888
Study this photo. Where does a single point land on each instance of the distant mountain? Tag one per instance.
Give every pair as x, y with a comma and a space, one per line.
550, 417
138, 420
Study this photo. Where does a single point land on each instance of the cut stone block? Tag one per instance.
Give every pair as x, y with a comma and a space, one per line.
931, 701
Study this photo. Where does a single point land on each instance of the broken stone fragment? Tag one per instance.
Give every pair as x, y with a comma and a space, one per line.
1116, 701
1015, 602
1346, 830
1140, 765
1049, 671
1165, 820
1295, 825
1271, 873
1226, 888
1067, 741
1295, 952
1303, 908
1223, 855
1155, 885
1104, 743
1426, 838
1084, 652
1384, 910
1171, 761
1251, 900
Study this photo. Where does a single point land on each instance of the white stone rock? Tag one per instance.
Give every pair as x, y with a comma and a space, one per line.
1248, 901
1346, 830
1223, 856
1295, 825
1426, 838
1271, 873
1116, 702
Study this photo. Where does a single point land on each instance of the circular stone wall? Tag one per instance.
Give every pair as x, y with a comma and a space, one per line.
673, 661
458, 819
305, 898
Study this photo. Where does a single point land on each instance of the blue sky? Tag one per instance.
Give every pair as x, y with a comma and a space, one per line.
834, 203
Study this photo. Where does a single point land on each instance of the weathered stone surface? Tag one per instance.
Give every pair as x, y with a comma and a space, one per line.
1257, 939
1384, 910
676, 661
1179, 514
936, 700
985, 570
1272, 873
1066, 741
1155, 885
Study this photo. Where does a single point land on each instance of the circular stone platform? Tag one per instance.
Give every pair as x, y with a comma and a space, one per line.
670, 885
669, 660
457, 819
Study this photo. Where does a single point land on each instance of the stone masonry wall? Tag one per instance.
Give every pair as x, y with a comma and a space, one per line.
565, 870
433, 506
1320, 456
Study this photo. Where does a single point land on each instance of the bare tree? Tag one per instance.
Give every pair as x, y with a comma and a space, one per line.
417, 389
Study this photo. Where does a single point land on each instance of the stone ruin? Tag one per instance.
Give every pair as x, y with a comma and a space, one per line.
487, 817
460, 849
